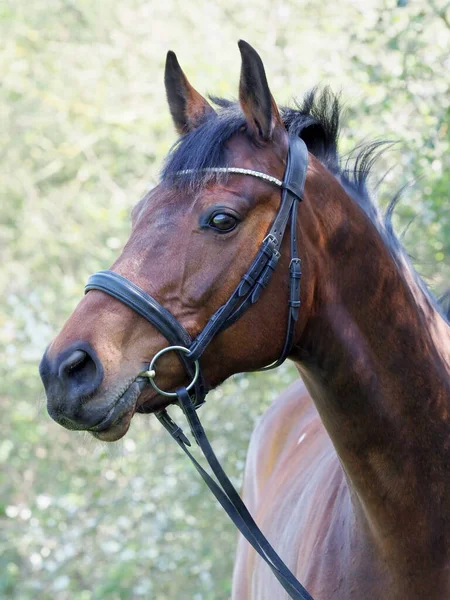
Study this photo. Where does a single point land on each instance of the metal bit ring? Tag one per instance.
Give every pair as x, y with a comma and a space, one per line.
151, 372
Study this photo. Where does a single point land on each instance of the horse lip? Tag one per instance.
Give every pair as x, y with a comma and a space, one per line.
120, 407
153, 403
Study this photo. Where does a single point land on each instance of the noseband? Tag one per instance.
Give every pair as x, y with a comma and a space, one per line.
190, 351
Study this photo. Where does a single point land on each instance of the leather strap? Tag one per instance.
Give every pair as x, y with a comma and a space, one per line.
137, 299
265, 262
145, 305
296, 167
227, 495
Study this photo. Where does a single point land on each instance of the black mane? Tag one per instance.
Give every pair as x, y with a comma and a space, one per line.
203, 147
317, 121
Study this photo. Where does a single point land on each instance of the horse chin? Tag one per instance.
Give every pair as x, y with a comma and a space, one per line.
117, 430
117, 421
138, 398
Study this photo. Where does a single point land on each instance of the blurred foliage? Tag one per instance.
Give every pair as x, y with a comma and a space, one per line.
84, 127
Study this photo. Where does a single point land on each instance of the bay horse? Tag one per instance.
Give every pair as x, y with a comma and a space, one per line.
350, 481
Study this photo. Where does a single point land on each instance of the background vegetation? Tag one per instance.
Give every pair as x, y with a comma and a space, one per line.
84, 128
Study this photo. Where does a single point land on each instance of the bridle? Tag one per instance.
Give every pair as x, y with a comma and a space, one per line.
189, 351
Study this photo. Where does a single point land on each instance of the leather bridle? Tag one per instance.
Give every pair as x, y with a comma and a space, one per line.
190, 351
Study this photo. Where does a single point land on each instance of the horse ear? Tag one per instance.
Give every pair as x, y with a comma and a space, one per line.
187, 107
255, 98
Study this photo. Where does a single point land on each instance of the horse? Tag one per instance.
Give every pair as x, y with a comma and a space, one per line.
348, 473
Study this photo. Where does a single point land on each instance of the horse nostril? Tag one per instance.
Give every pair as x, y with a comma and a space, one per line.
72, 379
79, 370
76, 359
72, 364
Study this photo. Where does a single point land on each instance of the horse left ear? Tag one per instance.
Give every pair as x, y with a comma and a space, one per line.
256, 101
187, 107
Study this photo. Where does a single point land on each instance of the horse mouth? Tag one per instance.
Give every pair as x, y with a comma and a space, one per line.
118, 418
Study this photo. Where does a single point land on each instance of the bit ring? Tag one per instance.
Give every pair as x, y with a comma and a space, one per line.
151, 372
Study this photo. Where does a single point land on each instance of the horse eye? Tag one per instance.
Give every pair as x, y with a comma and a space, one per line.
223, 222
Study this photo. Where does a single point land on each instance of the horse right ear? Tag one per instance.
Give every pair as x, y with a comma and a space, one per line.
187, 107
256, 101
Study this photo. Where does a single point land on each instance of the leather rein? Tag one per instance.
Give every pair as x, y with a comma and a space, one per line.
189, 351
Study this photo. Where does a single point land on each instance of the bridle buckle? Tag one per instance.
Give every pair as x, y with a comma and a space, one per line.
270, 238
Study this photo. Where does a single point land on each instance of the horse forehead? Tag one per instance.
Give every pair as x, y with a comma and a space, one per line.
161, 208
242, 152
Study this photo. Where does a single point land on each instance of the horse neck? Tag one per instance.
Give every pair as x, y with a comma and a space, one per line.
375, 355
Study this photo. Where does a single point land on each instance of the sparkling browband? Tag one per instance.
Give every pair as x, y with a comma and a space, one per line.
237, 170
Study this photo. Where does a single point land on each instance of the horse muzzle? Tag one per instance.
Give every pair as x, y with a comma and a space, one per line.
72, 380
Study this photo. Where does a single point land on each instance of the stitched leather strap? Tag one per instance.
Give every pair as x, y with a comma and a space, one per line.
227, 495
128, 293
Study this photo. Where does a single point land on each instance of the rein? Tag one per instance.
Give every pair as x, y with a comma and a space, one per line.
189, 351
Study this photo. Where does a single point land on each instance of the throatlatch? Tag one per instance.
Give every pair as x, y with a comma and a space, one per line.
189, 351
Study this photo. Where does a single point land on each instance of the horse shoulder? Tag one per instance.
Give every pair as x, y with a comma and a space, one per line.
276, 432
